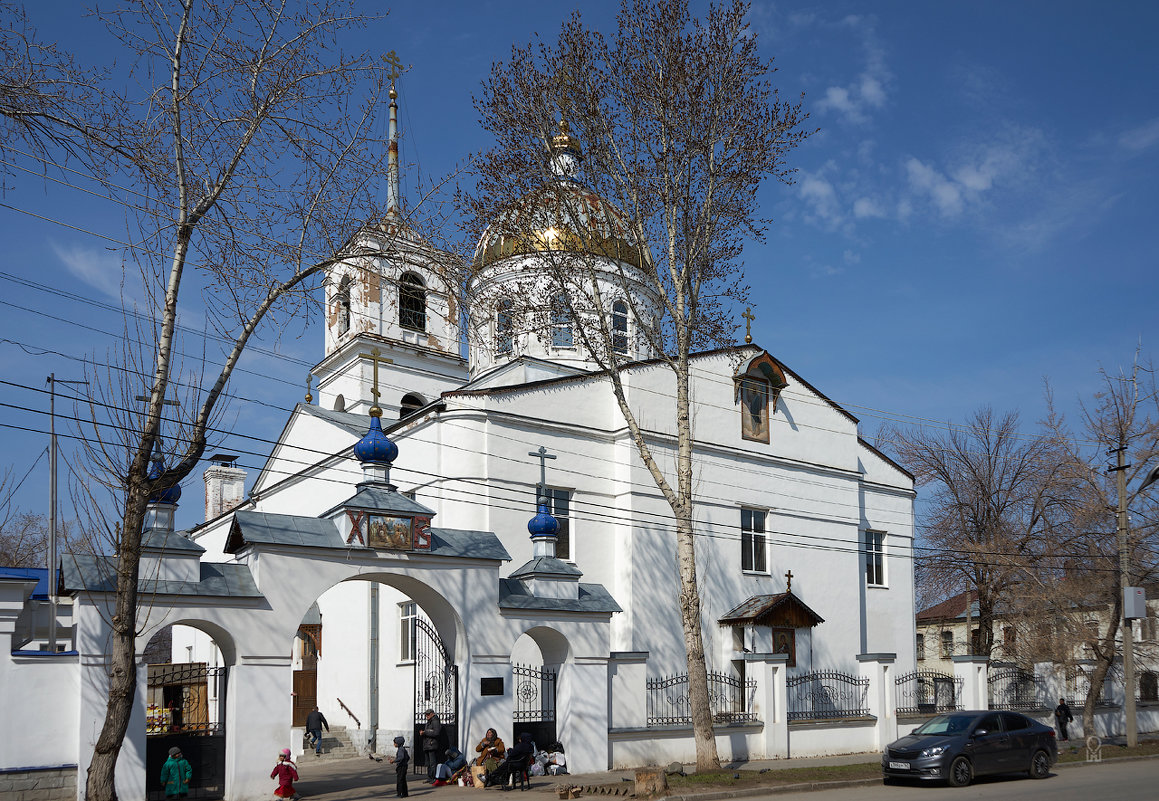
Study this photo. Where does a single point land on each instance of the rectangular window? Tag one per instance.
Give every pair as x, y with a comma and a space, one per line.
561, 333
559, 504
407, 614
875, 558
752, 540
947, 644
921, 646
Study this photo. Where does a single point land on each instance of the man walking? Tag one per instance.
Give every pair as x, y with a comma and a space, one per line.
432, 736
1062, 716
314, 723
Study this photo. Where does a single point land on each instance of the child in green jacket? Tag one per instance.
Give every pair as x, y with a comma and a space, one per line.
175, 775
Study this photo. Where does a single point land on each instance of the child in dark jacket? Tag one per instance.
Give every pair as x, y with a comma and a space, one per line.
401, 761
286, 772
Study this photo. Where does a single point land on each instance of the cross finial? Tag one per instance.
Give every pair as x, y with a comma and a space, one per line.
391, 58
789, 581
375, 357
309, 396
543, 457
748, 325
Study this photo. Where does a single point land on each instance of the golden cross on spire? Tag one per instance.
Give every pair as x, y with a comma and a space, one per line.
309, 396
391, 58
789, 581
748, 325
375, 357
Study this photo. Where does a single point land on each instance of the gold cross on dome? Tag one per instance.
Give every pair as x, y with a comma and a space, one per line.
375, 357
391, 58
748, 325
789, 581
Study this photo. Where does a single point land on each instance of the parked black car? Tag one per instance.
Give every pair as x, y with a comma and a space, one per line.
958, 746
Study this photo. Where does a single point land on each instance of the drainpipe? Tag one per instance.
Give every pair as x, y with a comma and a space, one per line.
373, 678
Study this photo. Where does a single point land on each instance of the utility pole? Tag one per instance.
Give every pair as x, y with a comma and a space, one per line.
52, 582
1125, 582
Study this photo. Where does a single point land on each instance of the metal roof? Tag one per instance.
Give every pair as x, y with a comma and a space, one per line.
89, 573
782, 607
513, 594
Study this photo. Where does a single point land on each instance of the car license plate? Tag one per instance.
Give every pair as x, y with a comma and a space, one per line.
899, 765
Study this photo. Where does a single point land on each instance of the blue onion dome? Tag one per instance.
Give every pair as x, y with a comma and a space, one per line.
376, 447
171, 495
543, 524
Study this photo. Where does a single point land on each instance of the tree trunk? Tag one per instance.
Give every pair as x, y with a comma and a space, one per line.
100, 784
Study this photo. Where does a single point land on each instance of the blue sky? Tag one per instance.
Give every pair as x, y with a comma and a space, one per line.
976, 214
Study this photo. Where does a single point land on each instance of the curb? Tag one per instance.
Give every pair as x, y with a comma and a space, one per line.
1085, 764
775, 789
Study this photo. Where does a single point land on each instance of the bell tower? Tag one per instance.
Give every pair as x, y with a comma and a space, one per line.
392, 296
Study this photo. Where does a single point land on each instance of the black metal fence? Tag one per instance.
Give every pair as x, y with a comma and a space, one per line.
828, 694
534, 713
186, 710
730, 697
927, 692
1014, 688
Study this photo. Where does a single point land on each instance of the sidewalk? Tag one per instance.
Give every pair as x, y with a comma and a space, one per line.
360, 778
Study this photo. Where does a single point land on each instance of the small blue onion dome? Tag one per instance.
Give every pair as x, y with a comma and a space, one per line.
171, 495
376, 447
543, 524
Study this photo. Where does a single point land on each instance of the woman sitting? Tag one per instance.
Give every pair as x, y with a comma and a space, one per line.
446, 771
490, 750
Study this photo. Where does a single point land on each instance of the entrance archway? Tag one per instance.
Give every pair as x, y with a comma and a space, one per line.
537, 658
185, 708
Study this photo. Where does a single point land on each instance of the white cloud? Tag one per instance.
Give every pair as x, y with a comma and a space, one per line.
851, 257
1140, 138
926, 181
101, 269
867, 91
821, 197
865, 207
825, 270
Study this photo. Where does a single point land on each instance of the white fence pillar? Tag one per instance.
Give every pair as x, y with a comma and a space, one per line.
771, 702
582, 713
258, 716
1049, 684
974, 673
882, 697
627, 689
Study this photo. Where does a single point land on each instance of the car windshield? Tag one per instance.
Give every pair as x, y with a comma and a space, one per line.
946, 724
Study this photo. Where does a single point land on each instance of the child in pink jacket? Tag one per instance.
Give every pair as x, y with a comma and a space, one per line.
286, 772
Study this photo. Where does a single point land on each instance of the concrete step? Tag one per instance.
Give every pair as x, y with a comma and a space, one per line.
336, 744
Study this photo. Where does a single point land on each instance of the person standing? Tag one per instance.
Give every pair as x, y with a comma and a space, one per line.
175, 774
286, 772
1062, 717
432, 735
314, 723
400, 760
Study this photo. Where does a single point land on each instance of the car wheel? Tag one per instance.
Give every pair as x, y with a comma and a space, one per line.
961, 772
1039, 765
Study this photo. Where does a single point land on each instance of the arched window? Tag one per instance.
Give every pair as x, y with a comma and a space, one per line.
412, 303
410, 404
343, 301
504, 334
561, 333
620, 327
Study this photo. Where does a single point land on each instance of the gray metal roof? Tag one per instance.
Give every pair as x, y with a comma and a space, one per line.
513, 594
250, 528
356, 424
547, 566
378, 498
169, 542
468, 544
90, 573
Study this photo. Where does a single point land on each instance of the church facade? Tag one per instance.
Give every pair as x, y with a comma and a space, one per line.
469, 528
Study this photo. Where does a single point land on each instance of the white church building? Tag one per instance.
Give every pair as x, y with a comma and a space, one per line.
476, 534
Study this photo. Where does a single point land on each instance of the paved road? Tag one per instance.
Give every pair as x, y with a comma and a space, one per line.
1116, 781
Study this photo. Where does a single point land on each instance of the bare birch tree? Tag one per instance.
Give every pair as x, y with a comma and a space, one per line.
678, 125
248, 159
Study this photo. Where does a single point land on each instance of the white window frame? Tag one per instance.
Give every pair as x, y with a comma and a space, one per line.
756, 534
920, 646
408, 613
873, 547
946, 646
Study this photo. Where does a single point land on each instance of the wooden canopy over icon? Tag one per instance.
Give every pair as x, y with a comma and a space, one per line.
783, 609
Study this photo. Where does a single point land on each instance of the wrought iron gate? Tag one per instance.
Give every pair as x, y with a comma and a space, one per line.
186, 709
534, 703
436, 687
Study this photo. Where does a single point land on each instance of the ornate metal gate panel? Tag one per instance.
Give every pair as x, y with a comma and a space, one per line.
436, 687
534, 703
186, 709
